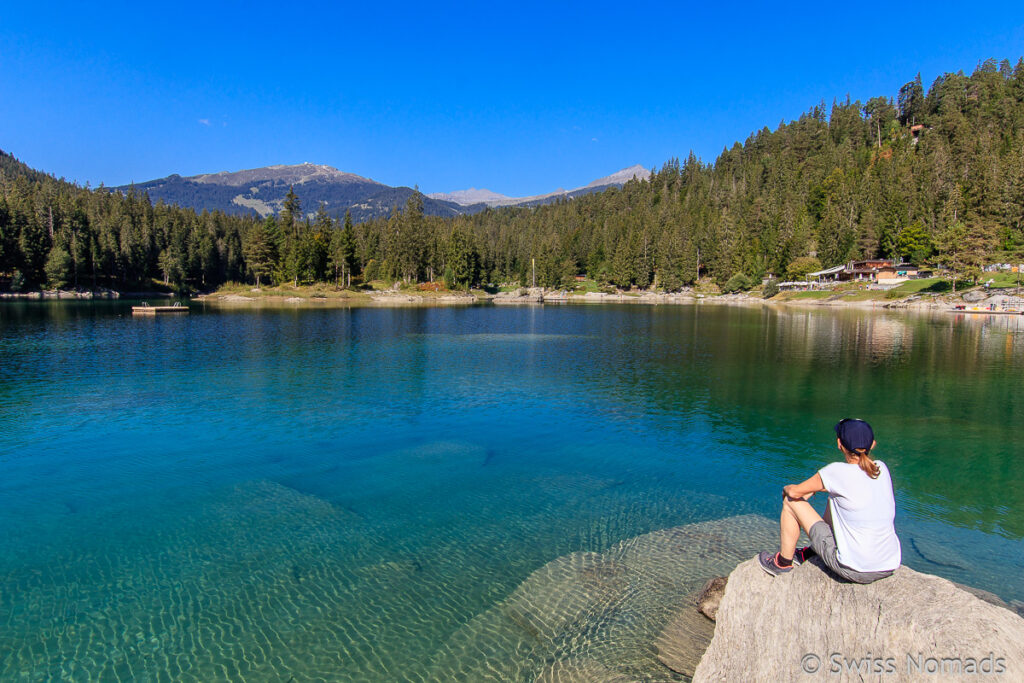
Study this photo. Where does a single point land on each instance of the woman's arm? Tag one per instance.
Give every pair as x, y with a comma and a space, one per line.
804, 489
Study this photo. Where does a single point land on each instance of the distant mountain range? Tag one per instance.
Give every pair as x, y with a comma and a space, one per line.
261, 191
473, 197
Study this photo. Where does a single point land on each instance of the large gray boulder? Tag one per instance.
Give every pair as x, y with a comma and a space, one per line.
807, 625
523, 295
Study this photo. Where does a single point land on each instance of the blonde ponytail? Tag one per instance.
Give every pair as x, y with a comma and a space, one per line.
869, 466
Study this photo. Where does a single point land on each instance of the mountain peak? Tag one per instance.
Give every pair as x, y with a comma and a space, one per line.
294, 174
622, 177
262, 191
475, 196
472, 196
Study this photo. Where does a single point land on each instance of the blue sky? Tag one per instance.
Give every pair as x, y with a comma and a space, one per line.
519, 99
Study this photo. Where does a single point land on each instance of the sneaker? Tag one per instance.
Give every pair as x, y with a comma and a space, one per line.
770, 563
803, 554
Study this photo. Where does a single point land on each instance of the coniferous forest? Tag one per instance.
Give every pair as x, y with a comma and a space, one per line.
936, 176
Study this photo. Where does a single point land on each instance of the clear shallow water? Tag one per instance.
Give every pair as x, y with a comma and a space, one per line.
341, 493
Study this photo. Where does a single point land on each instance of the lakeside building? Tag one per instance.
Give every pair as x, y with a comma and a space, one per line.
896, 274
796, 286
828, 275
880, 271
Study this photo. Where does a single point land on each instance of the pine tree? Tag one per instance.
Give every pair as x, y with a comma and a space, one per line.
347, 248
291, 214
669, 259
320, 244
461, 260
407, 248
58, 267
911, 102
260, 252
913, 243
624, 263
8, 240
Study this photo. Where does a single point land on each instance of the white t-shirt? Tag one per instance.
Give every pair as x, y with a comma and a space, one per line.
862, 516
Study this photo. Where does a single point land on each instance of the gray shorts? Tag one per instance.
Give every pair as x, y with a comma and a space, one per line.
824, 543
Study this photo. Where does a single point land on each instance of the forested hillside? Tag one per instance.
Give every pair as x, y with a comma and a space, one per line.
57, 234
936, 176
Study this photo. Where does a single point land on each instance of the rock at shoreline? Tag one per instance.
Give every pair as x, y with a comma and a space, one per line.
974, 296
807, 624
63, 294
989, 597
394, 298
710, 596
523, 295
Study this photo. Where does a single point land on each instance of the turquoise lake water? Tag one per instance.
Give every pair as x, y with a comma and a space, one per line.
336, 494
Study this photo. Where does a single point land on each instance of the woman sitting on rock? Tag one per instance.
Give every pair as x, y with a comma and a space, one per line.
856, 539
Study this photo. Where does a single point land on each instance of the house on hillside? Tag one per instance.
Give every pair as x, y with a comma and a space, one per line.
893, 274
868, 270
872, 263
826, 276
865, 271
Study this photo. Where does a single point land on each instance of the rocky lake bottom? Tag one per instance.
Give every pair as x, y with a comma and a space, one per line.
429, 494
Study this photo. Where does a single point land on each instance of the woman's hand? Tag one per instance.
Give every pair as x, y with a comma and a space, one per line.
804, 490
792, 492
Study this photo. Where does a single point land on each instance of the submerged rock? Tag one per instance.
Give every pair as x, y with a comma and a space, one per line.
910, 626
683, 641
711, 596
580, 670
620, 615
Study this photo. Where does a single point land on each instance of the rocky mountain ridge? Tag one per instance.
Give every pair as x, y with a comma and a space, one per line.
473, 196
261, 192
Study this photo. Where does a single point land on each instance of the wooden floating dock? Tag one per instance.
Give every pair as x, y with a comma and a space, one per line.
146, 309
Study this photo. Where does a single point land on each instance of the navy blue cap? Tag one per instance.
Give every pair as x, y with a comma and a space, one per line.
854, 434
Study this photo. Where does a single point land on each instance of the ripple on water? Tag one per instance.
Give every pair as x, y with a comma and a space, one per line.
597, 616
263, 582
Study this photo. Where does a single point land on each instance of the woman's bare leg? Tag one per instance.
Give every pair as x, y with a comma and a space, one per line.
796, 514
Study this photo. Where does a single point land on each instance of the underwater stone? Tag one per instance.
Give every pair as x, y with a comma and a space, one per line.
710, 596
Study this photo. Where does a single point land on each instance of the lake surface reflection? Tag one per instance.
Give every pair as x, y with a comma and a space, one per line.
338, 493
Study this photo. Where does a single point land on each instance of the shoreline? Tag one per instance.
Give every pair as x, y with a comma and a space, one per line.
419, 299
318, 298
86, 294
